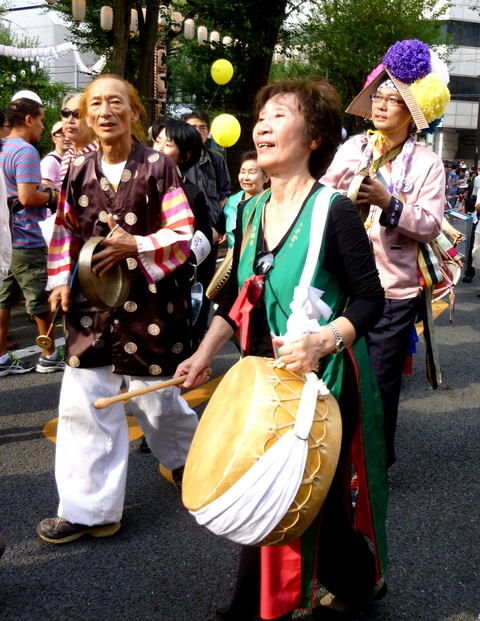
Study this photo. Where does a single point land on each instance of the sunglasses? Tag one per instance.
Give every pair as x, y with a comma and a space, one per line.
66, 113
263, 262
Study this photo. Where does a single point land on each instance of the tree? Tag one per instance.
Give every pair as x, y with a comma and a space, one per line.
16, 75
253, 26
347, 39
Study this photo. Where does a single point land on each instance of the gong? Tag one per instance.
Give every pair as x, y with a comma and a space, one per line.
109, 290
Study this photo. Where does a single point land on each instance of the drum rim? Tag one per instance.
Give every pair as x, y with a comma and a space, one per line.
443, 287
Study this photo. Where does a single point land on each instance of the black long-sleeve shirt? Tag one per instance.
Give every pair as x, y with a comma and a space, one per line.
347, 255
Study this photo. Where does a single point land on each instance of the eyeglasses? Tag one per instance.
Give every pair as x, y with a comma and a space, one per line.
391, 100
66, 113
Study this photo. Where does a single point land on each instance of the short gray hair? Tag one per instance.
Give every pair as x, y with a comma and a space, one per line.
69, 96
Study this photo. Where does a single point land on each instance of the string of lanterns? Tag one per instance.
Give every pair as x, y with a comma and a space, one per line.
48, 53
176, 21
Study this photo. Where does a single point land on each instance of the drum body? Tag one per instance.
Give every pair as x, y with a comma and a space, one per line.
252, 408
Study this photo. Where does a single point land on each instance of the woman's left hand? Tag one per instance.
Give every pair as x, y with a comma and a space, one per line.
302, 356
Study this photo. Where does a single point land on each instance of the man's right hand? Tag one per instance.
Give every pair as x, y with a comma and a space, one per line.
193, 369
60, 295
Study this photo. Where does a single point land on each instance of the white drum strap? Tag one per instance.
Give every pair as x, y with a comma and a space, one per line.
307, 305
256, 503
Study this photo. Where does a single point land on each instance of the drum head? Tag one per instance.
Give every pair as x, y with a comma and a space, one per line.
253, 407
107, 291
452, 272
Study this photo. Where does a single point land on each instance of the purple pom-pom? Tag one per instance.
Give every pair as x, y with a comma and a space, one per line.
408, 60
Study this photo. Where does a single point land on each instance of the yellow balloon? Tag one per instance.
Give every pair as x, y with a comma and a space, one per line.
222, 71
225, 130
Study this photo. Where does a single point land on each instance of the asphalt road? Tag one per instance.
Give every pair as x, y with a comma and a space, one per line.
162, 566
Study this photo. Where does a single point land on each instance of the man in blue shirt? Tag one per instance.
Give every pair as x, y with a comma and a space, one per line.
28, 204
453, 181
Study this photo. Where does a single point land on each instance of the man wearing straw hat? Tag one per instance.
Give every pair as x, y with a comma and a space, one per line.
134, 196
401, 188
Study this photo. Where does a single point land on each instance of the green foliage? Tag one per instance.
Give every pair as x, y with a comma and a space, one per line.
16, 75
87, 35
346, 39
252, 25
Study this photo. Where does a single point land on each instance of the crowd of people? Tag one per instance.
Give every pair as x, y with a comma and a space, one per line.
346, 221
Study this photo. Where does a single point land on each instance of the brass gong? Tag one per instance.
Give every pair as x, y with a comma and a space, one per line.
107, 291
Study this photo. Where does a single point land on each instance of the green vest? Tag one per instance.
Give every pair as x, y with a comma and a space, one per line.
280, 283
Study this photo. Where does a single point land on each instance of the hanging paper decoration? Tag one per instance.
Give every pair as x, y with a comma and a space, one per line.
133, 22
106, 18
48, 53
162, 16
78, 10
214, 38
189, 29
202, 34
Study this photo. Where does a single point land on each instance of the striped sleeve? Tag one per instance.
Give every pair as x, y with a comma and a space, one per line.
161, 253
65, 245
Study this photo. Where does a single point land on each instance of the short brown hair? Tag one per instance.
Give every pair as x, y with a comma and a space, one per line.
135, 102
321, 108
19, 109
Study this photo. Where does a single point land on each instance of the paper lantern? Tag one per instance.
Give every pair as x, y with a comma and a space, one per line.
189, 29
177, 17
214, 38
222, 71
226, 130
161, 83
78, 10
202, 34
227, 41
133, 22
106, 18
162, 57
175, 27
162, 16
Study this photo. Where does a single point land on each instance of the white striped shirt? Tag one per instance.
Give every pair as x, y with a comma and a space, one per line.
70, 155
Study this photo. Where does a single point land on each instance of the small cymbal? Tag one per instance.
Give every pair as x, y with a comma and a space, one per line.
44, 342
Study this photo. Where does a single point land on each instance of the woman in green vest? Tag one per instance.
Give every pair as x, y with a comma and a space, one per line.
298, 130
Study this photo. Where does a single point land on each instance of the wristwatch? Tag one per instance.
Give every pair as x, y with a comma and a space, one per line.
339, 344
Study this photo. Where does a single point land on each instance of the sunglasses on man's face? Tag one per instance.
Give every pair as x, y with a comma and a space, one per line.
66, 113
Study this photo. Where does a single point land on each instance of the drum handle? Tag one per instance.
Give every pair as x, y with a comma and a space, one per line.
104, 402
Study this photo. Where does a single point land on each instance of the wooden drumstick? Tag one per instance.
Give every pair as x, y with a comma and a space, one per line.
104, 402
44, 341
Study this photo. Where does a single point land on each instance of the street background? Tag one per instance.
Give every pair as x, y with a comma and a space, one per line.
162, 566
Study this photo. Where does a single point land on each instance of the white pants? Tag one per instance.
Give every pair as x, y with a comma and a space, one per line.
92, 445
476, 251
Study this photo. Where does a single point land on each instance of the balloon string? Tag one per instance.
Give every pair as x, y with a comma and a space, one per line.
214, 95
